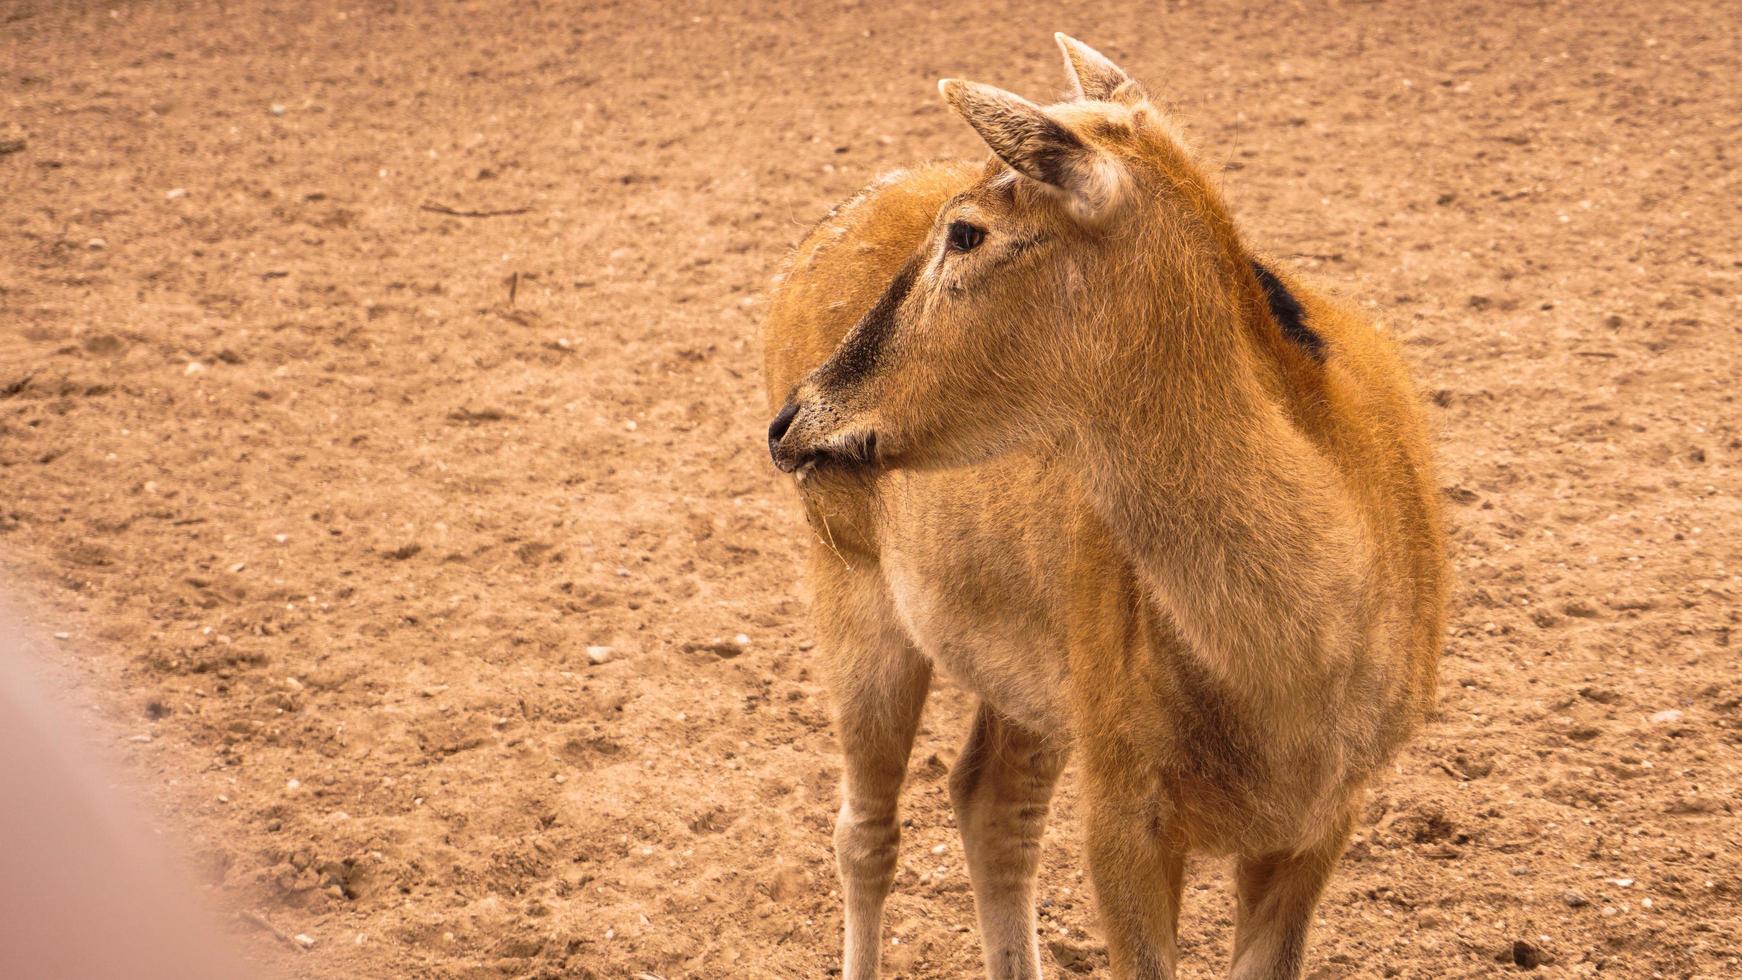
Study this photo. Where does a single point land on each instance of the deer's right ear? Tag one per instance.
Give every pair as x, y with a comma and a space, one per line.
1035, 144
1093, 75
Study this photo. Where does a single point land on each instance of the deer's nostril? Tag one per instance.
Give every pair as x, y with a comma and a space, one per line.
782, 422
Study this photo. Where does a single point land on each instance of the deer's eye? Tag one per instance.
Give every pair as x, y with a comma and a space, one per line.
964, 237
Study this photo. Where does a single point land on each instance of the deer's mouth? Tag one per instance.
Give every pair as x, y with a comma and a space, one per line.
855, 452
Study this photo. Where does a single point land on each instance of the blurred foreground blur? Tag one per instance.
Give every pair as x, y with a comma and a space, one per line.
86, 891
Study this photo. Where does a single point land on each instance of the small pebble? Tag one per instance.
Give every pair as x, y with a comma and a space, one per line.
293, 784
741, 639
178, 192
940, 849
63, 636
304, 940
277, 108
96, 244
598, 655
1666, 717
1574, 900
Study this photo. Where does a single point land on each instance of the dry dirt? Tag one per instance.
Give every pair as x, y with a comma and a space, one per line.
330, 490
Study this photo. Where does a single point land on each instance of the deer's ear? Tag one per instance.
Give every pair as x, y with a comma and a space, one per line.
1093, 76
1035, 144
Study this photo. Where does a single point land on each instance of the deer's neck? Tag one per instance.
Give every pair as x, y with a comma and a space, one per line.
1239, 526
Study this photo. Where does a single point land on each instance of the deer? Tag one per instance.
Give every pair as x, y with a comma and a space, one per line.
1165, 509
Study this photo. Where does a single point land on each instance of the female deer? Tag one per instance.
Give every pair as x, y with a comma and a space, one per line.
1060, 433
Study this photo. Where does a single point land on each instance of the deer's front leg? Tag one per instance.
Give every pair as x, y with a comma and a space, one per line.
879, 685
1278, 893
1001, 788
1136, 857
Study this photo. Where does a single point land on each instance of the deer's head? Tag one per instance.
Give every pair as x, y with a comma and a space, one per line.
1062, 267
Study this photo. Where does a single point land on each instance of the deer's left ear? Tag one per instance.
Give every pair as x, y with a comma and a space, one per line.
1035, 144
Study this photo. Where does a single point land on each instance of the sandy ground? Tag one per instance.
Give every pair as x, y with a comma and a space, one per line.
328, 490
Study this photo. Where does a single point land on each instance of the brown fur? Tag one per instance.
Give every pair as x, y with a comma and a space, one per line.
1110, 497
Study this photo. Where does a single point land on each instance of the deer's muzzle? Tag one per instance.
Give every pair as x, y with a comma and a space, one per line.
810, 434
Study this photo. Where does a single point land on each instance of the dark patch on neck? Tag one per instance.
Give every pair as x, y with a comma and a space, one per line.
863, 346
1289, 314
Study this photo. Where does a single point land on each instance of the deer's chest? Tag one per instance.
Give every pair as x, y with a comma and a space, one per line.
990, 635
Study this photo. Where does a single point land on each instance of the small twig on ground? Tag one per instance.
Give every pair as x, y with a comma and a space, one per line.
256, 919
444, 209
1596, 353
